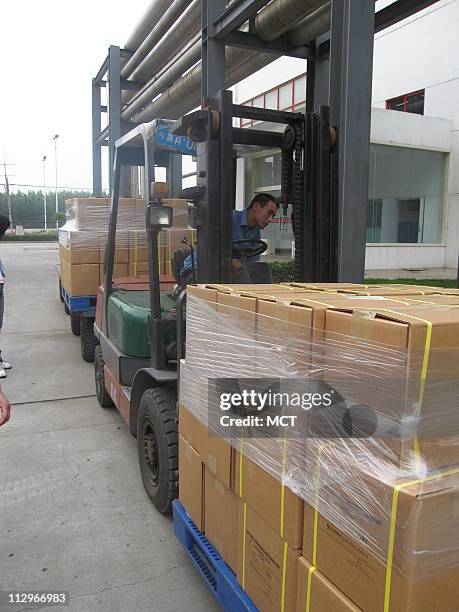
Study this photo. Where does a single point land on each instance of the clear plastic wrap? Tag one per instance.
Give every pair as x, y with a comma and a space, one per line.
83, 238
379, 462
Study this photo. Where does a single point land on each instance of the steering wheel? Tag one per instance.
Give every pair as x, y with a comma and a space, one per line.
245, 248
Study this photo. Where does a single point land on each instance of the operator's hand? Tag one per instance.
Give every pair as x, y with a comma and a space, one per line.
236, 264
4, 409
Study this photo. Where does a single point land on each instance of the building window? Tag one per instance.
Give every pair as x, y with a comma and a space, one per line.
409, 103
265, 175
406, 195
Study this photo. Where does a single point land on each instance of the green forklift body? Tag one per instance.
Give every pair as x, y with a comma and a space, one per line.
128, 313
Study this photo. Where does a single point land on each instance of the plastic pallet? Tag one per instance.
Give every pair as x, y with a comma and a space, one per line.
81, 303
218, 577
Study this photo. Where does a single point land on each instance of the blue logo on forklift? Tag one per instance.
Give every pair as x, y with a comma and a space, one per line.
180, 144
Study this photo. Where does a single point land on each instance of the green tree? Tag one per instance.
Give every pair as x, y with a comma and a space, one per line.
27, 207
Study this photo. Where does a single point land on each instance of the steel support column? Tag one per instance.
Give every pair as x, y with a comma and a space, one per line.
213, 50
209, 162
114, 102
352, 34
96, 147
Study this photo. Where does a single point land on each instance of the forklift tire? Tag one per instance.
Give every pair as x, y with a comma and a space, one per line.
88, 339
157, 444
66, 308
75, 324
101, 392
61, 297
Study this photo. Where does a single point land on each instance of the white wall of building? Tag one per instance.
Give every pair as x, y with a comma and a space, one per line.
423, 53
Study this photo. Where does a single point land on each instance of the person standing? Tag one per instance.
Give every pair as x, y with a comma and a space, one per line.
4, 225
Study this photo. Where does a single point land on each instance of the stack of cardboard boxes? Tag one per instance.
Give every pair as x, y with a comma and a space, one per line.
315, 523
83, 241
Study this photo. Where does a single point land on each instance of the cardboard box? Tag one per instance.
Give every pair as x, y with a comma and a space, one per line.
277, 504
317, 594
119, 270
78, 247
180, 211
221, 506
400, 365
121, 246
191, 482
170, 241
80, 279
217, 453
88, 213
397, 538
330, 287
139, 268
267, 567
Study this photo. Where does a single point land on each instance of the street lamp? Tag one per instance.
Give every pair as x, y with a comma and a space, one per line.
44, 189
56, 136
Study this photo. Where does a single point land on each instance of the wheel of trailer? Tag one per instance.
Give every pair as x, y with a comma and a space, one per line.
61, 297
157, 444
88, 339
75, 324
101, 392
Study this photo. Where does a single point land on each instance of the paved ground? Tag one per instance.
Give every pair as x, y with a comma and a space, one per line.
73, 512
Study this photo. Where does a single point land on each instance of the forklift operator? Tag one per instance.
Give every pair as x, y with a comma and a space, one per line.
246, 225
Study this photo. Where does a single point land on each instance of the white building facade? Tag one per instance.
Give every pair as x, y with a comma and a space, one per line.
413, 195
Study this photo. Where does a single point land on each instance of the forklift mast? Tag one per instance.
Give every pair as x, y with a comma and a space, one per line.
148, 145
308, 174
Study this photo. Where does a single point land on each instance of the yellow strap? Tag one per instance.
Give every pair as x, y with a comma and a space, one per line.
316, 508
282, 511
393, 521
135, 253
282, 500
240, 471
243, 545
312, 569
284, 577
425, 365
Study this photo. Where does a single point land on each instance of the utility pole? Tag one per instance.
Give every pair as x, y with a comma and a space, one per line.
44, 189
56, 136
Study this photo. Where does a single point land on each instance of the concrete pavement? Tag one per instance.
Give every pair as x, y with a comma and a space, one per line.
73, 512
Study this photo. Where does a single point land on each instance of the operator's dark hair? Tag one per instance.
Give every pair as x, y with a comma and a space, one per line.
263, 199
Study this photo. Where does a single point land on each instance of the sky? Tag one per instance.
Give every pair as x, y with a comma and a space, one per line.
50, 52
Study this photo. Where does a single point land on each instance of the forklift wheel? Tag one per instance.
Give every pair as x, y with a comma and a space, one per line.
102, 396
61, 297
75, 324
157, 444
88, 339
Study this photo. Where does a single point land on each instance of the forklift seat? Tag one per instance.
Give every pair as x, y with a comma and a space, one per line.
177, 261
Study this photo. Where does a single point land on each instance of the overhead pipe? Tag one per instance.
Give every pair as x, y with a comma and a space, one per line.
281, 15
311, 27
148, 21
159, 83
185, 93
184, 27
158, 31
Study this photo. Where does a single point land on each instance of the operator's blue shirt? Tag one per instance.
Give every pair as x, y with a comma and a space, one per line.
240, 232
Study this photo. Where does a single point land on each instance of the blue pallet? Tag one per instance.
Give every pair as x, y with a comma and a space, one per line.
218, 577
80, 303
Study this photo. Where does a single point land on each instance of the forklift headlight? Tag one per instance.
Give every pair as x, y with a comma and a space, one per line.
158, 217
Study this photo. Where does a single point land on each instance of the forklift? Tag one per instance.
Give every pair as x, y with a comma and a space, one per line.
141, 323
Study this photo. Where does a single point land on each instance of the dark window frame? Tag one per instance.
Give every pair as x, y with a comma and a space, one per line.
405, 98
